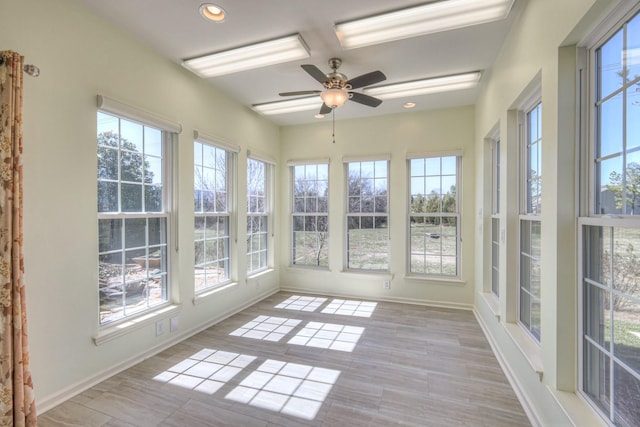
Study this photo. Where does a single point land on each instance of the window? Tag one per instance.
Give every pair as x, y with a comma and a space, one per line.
310, 219
610, 247
530, 224
367, 215
495, 217
133, 217
258, 182
212, 210
434, 217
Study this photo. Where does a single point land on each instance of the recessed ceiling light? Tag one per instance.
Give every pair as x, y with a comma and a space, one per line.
426, 86
429, 18
244, 58
409, 104
212, 12
319, 116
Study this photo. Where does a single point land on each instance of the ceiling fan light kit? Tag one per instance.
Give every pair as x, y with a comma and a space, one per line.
334, 98
244, 58
429, 18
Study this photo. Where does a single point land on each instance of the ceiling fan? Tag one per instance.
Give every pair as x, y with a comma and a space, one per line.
338, 87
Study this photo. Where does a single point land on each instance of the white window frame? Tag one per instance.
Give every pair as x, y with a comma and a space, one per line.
440, 214
528, 216
374, 215
316, 214
495, 215
228, 215
169, 131
590, 218
264, 216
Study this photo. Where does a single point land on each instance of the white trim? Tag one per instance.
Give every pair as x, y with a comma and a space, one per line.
215, 140
126, 111
370, 158
261, 157
431, 154
302, 162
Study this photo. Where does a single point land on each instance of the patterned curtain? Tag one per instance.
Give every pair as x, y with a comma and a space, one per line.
17, 405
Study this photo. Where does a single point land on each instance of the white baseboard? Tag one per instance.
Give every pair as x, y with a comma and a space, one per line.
522, 396
400, 300
43, 404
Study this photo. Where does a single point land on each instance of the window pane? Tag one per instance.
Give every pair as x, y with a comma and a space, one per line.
107, 163
611, 134
107, 196
153, 198
610, 65
135, 231
627, 395
152, 141
597, 376
109, 235
131, 198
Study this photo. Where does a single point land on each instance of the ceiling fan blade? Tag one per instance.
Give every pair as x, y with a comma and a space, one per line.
361, 98
315, 72
367, 79
300, 92
324, 109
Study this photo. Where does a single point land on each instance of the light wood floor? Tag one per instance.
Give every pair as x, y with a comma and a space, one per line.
403, 365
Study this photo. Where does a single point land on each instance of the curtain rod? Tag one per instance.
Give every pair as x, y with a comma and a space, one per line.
30, 69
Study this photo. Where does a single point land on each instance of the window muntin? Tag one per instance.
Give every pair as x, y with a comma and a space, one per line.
310, 218
434, 216
257, 215
367, 215
610, 294
495, 217
530, 224
133, 217
212, 215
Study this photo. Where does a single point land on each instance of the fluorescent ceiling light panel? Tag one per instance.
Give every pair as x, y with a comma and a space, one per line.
432, 17
426, 86
249, 57
289, 106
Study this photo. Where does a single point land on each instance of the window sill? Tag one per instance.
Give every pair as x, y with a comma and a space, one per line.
203, 296
529, 348
109, 333
455, 281
492, 302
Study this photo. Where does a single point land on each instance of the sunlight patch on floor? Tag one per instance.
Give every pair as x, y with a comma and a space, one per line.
266, 328
290, 388
328, 335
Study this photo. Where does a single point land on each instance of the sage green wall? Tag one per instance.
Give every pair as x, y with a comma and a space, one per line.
80, 56
398, 134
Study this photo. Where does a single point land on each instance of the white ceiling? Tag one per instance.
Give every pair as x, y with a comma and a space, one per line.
176, 30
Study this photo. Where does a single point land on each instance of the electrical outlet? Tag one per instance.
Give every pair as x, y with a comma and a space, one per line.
159, 327
173, 324
258, 284
386, 284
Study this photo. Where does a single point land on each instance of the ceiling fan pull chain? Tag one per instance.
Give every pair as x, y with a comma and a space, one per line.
333, 134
